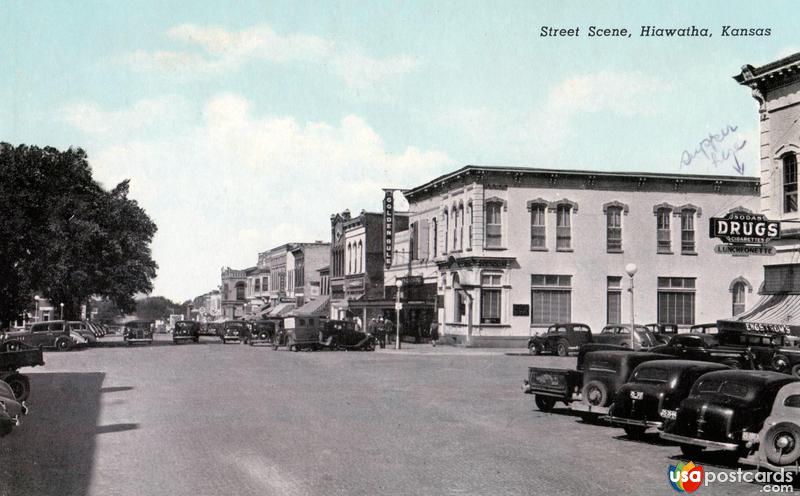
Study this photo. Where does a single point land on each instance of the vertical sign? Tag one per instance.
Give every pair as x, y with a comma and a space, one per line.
388, 227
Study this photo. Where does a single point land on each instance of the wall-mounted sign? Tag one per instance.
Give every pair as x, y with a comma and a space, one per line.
388, 227
745, 250
744, 229
520, 310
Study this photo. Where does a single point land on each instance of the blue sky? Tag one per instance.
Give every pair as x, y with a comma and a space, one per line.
244, 125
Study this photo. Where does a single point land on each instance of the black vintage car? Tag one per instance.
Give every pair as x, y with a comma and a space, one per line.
709, 328
232, 330
591, 387
342, 335
138, 331
186, 330
771, 350
706, 348
652, 395
620, 335
13, 356
725, 411
261, 332
560, 339
663, 332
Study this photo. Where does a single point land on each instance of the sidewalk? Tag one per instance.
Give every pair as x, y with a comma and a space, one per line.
448, 350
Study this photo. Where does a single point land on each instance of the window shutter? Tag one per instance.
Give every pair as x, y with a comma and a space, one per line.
422, 241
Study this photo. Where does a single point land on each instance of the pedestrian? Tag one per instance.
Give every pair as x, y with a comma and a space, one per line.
357, 321
381, 331
388, 329
434, 332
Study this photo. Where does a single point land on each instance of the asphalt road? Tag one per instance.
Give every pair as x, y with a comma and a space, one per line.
208, 419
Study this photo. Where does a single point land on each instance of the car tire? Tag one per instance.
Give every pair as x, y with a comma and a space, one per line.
535, 349
796, 370
544, 403
595, 394
691, 451
782, 444
63, 344
634, 432
20, 385
562, 348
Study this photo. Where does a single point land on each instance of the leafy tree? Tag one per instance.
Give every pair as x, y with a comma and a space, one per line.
65, 237
158, 307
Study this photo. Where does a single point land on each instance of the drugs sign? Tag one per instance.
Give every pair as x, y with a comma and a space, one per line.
744, 229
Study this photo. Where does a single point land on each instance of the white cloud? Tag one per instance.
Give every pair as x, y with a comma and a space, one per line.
239, 183
221, 49
91, 118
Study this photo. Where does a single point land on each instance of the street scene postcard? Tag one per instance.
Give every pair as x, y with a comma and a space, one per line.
355, 247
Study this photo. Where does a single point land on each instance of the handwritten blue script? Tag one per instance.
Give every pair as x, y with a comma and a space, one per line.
719, 149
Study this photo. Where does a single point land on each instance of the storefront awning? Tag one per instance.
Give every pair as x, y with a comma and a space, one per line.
280, 310
773, 313
314, 307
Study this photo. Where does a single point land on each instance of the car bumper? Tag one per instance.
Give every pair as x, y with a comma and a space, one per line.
633, 422
716, 445
261, 341
139, 340
182, 337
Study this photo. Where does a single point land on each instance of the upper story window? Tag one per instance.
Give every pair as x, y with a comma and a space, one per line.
790, 183
687, 231
663, 231
494, 224
460, 227
257, 285
456, 227
446, 230
471, 217
434, 237
538, 226
240, 287
360, 257
738, 298
349, 258
614, 229
563, 227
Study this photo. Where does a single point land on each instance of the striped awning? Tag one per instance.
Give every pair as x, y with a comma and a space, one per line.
314, 307
778, 312
280, 310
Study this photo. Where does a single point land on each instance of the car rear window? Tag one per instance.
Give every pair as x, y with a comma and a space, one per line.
581, 329
707, 386
652, 374
792, 401
735, 389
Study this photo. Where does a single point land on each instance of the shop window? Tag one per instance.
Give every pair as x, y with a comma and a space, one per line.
538, 227
687, 231
790, 183
663, 231
551, 299
459, 306
614, 300
491, 298
738, 297
563, 227
494, 224
614, 229
676, 300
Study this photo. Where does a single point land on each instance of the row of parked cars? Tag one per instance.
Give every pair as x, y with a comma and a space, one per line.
62, 335
701, 391
310, 333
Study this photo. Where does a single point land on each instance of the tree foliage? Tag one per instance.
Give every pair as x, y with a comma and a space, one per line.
158, 307
65, 237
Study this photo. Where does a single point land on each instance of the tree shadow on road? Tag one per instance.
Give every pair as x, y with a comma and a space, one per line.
52, 452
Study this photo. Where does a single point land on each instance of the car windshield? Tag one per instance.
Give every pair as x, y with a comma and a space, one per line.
235, 325
183, 325
652, 374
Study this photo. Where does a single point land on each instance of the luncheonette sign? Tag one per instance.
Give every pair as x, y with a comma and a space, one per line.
739, 228
744, 250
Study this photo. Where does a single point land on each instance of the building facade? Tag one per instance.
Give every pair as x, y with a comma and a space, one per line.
233, 293
510, 251
304, 274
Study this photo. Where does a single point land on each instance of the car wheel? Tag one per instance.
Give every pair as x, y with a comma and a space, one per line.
691, 451
634, 432
535, 349
12, 346
544, 403
796, 370
595, 393
562, 349
782, 443
20, 385
63, 344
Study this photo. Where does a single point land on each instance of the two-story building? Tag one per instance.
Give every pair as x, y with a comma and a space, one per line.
512, 250
233, 289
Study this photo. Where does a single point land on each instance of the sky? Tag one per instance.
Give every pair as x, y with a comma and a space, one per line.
244, 125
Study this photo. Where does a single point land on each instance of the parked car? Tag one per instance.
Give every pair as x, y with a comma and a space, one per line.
50, 334
779, 438
620, 335
663, 332
299, 333
726, 410
232, 330
652, 395
710, 328
342, 335
560, 339
10, 409
589, 388
138, 331
186, 330
14, 355
706, 348
771, 350
260, 332
84, 330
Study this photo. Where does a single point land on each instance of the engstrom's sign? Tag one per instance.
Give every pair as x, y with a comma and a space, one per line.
744, 229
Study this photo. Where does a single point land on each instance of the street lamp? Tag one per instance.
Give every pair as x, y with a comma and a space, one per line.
398, 306
62, 310
631, 269
36, 311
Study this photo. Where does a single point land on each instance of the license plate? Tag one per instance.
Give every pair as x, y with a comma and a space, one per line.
669, 414
749, 436
637, 395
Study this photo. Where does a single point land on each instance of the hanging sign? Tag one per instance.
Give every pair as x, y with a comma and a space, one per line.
741, 228
388, 227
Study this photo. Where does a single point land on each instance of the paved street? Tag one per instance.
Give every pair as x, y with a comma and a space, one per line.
210, 419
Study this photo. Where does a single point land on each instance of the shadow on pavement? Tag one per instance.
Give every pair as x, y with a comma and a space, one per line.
53, 450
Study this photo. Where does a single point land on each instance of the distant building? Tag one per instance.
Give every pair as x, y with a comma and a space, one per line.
233, 292
306, 261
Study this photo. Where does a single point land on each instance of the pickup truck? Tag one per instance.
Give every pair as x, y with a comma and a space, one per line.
591, 387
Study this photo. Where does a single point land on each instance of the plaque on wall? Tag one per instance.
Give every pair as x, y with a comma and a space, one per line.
521, 310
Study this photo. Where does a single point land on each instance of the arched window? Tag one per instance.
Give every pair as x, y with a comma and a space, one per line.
360, 257
461, 226
563, 227
494, 224
257, 285
687, 231
454, 213
790, 183
446, 230
349, 259
738, 293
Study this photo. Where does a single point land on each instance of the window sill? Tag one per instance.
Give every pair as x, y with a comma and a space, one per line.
689, 253
565, 250
664, 253
495, 248
539, 249
615, 251
492, 325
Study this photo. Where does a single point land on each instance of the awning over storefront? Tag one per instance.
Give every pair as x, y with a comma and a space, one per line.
772, 313
280, 310
313, 308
